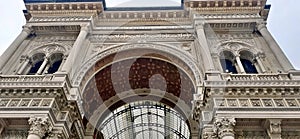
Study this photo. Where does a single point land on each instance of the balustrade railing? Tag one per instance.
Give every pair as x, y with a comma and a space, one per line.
255, 77
30, 78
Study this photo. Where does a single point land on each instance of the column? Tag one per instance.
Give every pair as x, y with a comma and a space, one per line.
39, 126
239, 63
24, 65
46, 69
224, 127
274, 128
15, 44
76, 49
260, 64
278, 53
42, 67
205, 53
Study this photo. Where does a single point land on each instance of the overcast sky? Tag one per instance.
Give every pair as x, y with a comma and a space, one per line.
283, 23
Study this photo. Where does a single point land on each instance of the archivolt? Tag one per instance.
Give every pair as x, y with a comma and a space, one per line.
86, 71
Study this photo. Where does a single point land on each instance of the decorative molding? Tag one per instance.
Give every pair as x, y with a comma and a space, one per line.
210, 16
146, 15
224, 126
266, 103
185, 57
174, 27
144, 37
39, 126
60, 19
26, 103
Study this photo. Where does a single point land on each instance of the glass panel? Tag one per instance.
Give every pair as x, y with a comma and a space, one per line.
228, 66
248, 66
35, 68
146, 120
54, 67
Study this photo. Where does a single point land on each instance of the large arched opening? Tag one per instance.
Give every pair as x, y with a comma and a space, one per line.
125, 79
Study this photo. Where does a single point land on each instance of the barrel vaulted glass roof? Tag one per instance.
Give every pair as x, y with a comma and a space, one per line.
145, 120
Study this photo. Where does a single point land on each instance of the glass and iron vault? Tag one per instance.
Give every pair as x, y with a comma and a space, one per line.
144, 120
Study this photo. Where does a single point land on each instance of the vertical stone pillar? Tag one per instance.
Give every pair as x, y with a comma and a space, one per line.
46, 69
76, 49
39, 126
15, 44
42, 67
274, 128
205, 52
278, 53
260, 64
24, 65
239, 63
224, 127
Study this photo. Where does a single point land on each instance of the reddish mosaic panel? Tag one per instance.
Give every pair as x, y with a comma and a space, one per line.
137, 74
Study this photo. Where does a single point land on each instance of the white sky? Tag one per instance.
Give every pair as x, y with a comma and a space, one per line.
283, 23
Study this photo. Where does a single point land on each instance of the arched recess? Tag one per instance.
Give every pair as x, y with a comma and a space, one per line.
36, 62
248, 61
227, 60
137, 75
175, 54
55, 61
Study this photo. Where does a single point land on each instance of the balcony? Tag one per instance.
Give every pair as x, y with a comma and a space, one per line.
33, 81
253, 80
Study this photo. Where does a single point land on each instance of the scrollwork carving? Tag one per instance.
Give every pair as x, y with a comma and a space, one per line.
224, 126
39, 126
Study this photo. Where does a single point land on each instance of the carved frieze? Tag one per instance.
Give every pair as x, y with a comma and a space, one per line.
256, 103
139, 37
26, 102
60, 19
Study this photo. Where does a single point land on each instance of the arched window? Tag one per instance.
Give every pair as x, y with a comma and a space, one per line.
55, 62
247, 60
36, 62
227, 62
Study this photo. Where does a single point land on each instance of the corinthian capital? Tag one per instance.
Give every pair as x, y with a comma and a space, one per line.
39, 126
224, 126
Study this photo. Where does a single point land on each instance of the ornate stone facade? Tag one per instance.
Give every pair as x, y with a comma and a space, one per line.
78, 66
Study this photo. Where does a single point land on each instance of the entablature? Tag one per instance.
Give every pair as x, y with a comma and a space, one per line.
228, 6
64, 9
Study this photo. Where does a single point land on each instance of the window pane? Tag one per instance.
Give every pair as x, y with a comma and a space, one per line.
248, 66
228, 66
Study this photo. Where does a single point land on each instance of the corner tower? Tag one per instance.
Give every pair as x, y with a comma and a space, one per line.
203, 69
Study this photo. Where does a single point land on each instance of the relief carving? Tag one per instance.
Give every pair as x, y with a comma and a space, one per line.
224, 126
39, 126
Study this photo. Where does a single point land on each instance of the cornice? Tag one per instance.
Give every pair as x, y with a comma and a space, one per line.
60, 19
225, 3
80, 8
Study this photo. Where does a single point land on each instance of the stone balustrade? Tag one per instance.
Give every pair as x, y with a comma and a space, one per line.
255, 77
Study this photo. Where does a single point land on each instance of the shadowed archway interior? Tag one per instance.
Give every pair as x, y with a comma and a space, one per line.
134, 74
